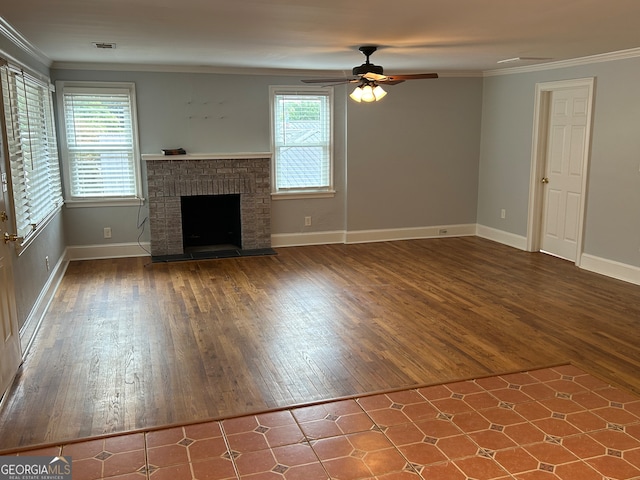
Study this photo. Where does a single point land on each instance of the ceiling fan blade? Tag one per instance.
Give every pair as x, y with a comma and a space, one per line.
330, 80
389, 82
369, 74
413, 76
375, 77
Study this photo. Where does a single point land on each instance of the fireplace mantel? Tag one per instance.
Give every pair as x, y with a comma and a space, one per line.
206, 156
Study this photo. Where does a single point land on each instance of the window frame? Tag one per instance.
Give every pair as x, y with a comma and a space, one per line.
297, 193
97, 88
37, 211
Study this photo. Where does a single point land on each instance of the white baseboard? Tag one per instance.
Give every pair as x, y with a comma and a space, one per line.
603, 266
392, 234
610, 268
301, 239
114, 250
41, 305
367, 236
500, 236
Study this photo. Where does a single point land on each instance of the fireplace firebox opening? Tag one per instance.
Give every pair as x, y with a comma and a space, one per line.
211, 223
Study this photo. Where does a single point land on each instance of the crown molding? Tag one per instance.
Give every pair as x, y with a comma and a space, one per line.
19, 40
573, 62
276, 72
162, 68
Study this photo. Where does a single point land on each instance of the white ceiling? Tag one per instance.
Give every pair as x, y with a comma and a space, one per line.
414, 36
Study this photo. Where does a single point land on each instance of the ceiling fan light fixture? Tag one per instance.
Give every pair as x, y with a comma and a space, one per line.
368, 93
357, 94
379, 92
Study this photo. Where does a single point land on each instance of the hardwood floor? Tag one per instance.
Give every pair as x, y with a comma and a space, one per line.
129, 345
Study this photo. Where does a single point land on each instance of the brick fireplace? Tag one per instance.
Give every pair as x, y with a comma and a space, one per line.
172, 177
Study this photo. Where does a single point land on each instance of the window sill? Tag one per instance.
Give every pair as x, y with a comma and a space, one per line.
112, 202
297, 195
22, 245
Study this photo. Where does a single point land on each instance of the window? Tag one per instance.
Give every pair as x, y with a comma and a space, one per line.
31, 149
302, 140
99, 145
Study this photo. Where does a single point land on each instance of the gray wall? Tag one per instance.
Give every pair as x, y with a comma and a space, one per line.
30, 272
612, 224
412, 158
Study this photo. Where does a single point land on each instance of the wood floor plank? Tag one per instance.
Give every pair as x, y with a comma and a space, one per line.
128, 345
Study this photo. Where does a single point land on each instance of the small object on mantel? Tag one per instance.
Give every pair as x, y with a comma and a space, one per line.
174, 151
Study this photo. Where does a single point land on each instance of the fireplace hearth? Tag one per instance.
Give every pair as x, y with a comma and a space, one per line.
174, 180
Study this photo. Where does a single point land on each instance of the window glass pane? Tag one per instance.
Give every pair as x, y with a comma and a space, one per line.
302, 141
101, 174
100, 147
32, 149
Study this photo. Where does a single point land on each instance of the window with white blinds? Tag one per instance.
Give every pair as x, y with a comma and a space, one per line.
100, 142
302, 140
31, 149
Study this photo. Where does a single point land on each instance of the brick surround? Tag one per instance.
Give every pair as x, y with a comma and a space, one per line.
170, 178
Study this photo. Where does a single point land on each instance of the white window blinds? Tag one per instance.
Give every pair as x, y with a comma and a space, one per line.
100, 143
31, 148
302, 141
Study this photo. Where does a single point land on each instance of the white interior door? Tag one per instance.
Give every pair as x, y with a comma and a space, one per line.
10, 349
566, 156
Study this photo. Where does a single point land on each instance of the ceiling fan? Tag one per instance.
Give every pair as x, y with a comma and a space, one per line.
369, 77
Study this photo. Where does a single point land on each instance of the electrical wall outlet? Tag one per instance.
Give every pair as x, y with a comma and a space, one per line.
307, 221
107, 232
503, 213
46, 262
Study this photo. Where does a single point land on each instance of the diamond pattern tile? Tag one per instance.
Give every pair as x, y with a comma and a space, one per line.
552, 423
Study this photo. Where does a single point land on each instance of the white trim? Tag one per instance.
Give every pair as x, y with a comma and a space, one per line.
20, 41
113, 250
41, 305
147, 157
538, 159
572, 62
411, 233
537, 167
108, 202
98, 88
369, 236
611, 268
299, 194
301, 90
305, 239
161, 68
500, 236
276, 72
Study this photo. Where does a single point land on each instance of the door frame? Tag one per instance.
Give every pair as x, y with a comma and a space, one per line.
541, 122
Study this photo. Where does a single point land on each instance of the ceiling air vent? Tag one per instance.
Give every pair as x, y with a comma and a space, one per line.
104, 45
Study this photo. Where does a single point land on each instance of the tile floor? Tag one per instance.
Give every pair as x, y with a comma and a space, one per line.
552, 423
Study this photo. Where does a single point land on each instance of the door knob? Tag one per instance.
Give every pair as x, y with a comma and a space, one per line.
11, 237
545, 180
